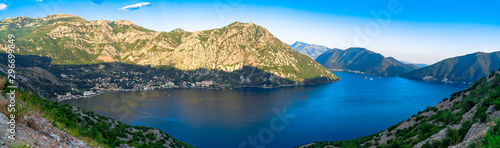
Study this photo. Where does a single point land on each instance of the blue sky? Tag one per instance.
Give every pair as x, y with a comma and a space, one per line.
420, 31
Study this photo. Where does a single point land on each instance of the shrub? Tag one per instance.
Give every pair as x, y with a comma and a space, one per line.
481, 114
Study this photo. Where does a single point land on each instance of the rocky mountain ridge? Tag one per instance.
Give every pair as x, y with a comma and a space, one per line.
69, 39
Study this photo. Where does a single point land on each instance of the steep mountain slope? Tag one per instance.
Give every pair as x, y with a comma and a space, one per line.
43, 123
51, 81
34, 130
467, 68
363, 60
465, 119
309, 49
68, 39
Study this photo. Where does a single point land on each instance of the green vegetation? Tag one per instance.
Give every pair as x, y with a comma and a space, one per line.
19, 145
121, 28
482, 95
492, 138
305, 67
467, 68
95, 129
453, 137
82, 44
363, 60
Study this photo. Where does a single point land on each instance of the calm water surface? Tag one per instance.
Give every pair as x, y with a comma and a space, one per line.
282, 117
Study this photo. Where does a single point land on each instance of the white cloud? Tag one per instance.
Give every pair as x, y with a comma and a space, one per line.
39, 0
3, 6
135, 6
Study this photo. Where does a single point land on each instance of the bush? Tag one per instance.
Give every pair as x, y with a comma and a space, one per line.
481, 114
469, 104
151, 136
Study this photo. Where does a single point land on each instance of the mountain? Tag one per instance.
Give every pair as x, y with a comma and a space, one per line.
462, 69
71, 40
416, 64
469, 118
364, 61
309, 49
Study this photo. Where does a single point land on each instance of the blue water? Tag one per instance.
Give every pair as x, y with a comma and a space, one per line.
281, 117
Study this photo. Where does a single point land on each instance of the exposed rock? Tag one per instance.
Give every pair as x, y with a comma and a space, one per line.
69, 39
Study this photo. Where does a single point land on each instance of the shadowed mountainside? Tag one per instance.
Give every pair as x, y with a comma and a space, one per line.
71, 40
38, 73
364, 61
461, 69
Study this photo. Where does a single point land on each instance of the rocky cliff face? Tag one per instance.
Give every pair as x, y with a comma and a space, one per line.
461, 69
364, 61
68, 39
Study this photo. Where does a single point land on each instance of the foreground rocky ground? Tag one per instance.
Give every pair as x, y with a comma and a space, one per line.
43, 123
32, 130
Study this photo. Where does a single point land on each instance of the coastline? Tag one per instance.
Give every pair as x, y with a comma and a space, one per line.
211, 87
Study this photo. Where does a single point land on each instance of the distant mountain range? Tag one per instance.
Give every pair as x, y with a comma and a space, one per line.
416, 64
461, 69
364, 61
309, 49
467, 68
71, 40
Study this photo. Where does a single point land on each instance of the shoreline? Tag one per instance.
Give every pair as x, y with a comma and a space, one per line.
410, 78
177, 87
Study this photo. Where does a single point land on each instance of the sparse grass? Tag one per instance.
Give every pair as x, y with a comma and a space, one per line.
19, 145
96, 134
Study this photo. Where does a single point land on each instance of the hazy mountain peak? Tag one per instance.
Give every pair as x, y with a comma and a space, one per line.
298, 43
419, 65
311, 50
179, 30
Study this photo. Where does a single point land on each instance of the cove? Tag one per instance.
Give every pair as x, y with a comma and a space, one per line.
279, 117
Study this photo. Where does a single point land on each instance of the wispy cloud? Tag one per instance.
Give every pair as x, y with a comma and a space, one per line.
39, 0
135, 6
3, 6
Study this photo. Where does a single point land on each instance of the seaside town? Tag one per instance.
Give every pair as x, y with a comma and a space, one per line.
123, 81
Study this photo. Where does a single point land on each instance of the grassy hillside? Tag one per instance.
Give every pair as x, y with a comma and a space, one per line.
461, 120
467, 68
71, 40
94, 129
